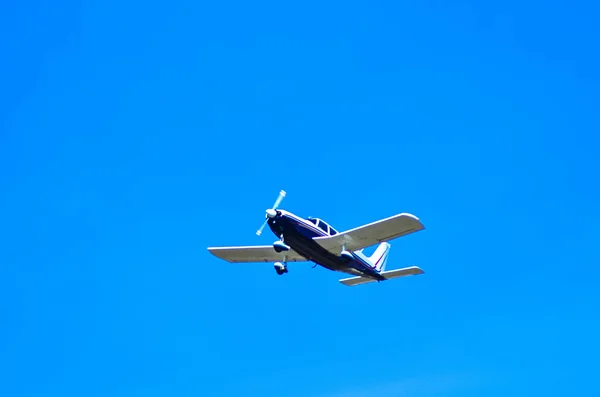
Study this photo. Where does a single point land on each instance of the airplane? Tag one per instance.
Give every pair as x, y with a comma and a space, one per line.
313, 240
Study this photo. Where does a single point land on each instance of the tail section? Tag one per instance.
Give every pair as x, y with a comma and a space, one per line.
380, 256
389, 275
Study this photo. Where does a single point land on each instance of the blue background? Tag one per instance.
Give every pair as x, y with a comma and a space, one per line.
133, 135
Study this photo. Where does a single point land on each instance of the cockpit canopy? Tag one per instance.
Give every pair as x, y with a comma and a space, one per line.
323, 226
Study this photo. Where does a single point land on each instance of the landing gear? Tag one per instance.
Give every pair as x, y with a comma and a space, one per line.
280, 268
345, 254
280, 246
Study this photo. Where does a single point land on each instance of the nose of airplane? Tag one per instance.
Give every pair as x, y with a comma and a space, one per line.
271, 213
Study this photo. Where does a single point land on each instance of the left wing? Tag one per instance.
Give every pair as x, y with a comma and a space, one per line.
256, 253
372, 233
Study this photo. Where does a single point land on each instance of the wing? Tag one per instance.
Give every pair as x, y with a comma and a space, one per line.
391, 274
372, 233
257, 253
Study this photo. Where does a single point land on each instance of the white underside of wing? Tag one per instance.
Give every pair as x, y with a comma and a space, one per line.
256, 253
372, 233
390, 274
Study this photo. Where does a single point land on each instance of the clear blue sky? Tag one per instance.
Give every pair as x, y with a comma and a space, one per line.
135, 134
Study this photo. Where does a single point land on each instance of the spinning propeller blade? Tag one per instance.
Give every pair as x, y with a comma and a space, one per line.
279, 198
259, 231
277, 202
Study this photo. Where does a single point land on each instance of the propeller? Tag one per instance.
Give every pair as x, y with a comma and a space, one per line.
271, 212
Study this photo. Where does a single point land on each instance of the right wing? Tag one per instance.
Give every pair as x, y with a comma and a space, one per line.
372, 233
256, 253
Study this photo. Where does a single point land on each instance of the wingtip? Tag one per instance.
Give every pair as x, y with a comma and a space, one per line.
408, 214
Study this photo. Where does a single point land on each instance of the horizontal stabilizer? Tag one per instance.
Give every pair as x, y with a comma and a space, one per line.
390, 274
252, 254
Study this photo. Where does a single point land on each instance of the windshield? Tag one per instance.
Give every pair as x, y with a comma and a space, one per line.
323, 226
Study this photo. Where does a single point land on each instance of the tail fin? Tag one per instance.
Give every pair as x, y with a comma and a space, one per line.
379, 257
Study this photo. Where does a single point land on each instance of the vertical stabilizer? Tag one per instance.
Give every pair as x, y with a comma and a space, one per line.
379, 257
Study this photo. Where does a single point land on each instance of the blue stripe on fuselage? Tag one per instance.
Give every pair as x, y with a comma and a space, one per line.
299, 234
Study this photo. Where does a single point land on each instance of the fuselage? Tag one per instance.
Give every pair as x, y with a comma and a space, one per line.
298, 234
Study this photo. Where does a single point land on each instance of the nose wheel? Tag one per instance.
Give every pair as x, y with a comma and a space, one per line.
281, 268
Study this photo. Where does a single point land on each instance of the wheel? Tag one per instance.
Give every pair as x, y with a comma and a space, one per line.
280, 246
281, 271
280, 268
347, 256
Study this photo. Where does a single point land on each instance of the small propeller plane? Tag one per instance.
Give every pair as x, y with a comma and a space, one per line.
313, 240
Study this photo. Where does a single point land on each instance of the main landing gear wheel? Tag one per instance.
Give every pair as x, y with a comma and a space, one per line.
346, 255
280, 246
280, 268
